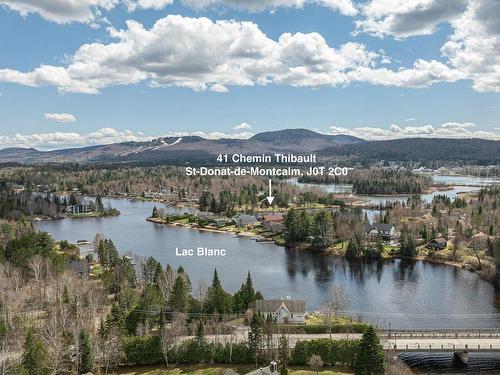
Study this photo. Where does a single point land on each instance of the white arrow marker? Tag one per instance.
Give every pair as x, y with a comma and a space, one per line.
270, 198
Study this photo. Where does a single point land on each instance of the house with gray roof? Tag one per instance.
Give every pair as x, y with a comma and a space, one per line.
283, 310
245, 221
387, 232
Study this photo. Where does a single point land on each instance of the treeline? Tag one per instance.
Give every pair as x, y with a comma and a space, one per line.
226, 201
365, 356
388, 181
322, 228
169, 182
164, 291
428, 151
377, 181
16, 205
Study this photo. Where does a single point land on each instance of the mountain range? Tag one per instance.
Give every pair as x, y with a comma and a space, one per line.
182, 149
179, 150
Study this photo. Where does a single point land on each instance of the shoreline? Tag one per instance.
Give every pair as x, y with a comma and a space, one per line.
331, 251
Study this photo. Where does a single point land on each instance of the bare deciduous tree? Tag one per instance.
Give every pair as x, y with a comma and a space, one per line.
56, 348
335, 302
111, 349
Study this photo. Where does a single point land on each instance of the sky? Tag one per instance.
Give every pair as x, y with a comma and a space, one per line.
85, 72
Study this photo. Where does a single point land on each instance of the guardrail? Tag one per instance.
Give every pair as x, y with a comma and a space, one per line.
457, 333
441, 347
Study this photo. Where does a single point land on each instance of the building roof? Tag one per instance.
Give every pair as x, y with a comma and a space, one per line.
272, 217
81, 266
263, 371
271, 305
380, 227
245, 219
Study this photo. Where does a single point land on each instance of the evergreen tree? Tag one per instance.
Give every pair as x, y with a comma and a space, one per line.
255, 336
370, 355
85, 353
200, 341
353, 250
246, 296
218, 300
98, 204
283, 355
322, 229
34, 355
179, 298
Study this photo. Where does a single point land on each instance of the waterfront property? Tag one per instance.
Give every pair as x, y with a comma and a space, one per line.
284, 311
80, 267
387, 232
272, 222
439, 243
78, 209
245, 221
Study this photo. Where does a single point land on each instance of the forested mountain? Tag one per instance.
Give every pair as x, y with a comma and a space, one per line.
471, 151
179, 150
182, 149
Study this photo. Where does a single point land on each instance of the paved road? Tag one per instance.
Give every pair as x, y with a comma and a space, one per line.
416, 342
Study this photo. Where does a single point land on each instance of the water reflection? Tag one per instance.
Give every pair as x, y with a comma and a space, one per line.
381, 291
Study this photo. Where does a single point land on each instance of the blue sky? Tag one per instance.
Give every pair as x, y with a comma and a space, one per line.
348, 70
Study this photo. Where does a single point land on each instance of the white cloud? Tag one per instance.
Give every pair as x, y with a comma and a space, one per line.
219, 88
474, 47
472, 50
243, 126
89, 11
132, 5
60, 117
58, 140
71, 139
61, 11
201, 54
404, 18
345, 7
446, 130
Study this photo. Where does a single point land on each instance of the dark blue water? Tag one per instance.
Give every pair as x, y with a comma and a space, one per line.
407, 294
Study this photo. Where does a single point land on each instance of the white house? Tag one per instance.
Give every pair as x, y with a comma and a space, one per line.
284, 311
386, 232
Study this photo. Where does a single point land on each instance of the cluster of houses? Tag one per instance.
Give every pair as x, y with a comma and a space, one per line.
270, 222
388, 234
170, 195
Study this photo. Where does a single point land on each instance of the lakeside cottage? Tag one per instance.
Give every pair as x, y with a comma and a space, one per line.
79, 267
439, 243
387, 232
79, 209
273, 222
246, 221
284, 311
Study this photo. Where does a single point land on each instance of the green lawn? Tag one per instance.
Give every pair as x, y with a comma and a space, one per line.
315, 319
219, 370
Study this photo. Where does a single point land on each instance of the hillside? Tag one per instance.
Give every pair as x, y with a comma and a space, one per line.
182, 149
473, 151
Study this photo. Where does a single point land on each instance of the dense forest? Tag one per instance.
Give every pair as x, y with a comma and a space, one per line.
377, 181
430, 151
26, 204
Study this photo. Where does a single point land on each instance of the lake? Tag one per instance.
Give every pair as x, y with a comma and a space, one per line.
407, 294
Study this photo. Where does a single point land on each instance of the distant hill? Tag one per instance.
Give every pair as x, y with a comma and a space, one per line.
182, 149
474, 151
